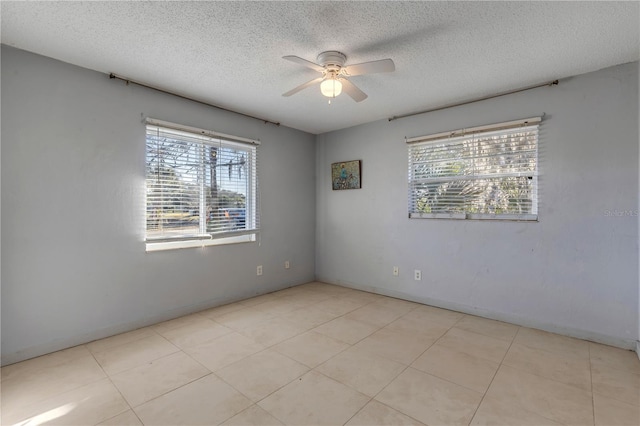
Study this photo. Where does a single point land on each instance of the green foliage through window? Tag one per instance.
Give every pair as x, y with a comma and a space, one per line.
198, 186
479, 175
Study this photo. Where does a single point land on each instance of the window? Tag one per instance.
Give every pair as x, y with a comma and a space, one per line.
201, 187
488, 172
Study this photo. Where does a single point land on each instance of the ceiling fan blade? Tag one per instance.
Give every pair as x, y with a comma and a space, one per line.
303, 86
350, 89
383, 65
299, 60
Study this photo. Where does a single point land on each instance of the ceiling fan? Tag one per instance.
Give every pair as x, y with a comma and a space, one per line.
335, 74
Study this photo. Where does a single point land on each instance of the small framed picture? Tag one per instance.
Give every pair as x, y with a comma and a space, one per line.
346, 175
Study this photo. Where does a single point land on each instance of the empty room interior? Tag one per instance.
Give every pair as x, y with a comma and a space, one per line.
320, 213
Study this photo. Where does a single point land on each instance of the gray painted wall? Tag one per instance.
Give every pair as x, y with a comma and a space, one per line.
575, 271
74, 266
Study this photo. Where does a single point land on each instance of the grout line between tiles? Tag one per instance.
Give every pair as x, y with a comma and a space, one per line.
150, 327
349, 346
398, 375
578, 388
115, 387
494, 376
270, 393
175, 389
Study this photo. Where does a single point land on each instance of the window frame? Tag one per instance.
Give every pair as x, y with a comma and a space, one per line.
469, 136
199, 139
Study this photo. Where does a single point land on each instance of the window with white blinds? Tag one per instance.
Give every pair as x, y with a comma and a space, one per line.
201, 187
488, 172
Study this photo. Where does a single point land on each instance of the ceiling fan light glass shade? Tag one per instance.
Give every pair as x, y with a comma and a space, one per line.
331, 88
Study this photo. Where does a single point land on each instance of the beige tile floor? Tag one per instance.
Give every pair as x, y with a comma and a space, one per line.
319, 354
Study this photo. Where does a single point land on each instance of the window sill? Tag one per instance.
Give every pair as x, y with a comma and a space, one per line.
477, 216
173, 245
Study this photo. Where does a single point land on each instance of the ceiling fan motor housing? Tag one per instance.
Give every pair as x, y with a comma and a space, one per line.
332, 60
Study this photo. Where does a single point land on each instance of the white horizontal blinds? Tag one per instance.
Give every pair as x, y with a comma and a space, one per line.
490, 174
198, 186
232, 196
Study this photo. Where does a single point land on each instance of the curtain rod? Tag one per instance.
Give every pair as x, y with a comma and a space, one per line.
128, 80
551, 83
471, 130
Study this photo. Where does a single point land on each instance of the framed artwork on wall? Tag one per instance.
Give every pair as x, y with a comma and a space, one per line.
346, 175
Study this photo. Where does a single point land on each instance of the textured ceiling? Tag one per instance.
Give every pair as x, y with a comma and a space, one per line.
229, 53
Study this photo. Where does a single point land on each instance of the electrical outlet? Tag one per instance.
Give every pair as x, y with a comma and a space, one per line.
286, 264
396, 271
259, 270
417, 274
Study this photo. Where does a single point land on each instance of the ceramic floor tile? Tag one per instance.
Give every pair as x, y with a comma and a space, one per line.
218, 311
617, 358
429, 399
392, 302
207, 401
475, 344
253, 416
143, 383
254, 301
330, 289
120, 339
296, 291
123, 357
364, 341
362, 371
311, 348
552, 342
362, 297
87, 405
610, 412
378, 414
308, 317
272, 331
176, 322
433, 315
615, 383
195, 333
308, 298
31, 386
377, 314
460, 368
339, 305
258, 375
45, 361
243, 318
487, 327
128, 418
314, 399
282, 305
224, 350
418, 326
552, 365
563, 403
346, 330
493, 412
314, 286
396, 345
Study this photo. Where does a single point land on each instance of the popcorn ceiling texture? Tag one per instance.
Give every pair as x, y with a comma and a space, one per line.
229, 53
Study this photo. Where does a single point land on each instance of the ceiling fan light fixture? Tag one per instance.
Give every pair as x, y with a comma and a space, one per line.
331, 87
335, 74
